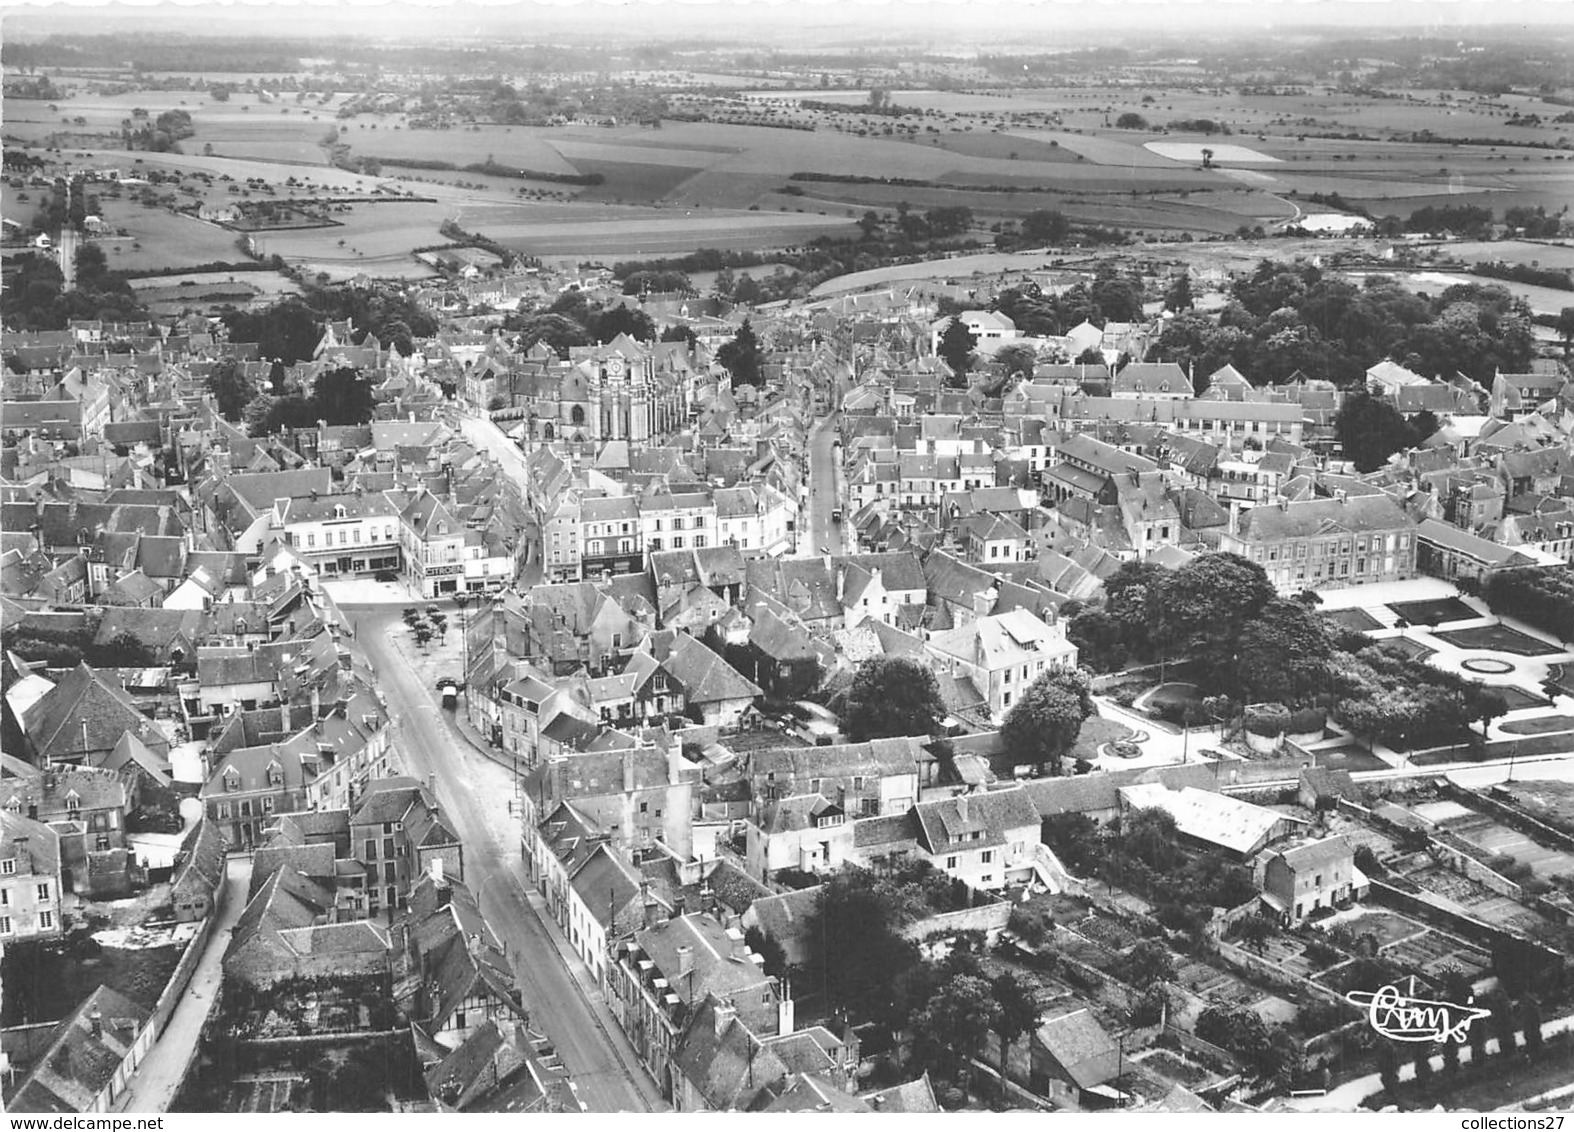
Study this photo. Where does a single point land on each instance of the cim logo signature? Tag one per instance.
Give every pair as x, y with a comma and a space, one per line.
1406, 1018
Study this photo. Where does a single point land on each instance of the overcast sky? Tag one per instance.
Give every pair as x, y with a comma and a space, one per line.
987, 22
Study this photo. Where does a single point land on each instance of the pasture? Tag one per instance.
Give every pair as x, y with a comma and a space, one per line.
158, 239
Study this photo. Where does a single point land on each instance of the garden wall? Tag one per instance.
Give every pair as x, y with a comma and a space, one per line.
1421, 904
1460, 859
1510, 815
988, 918
178, 980
1265, 969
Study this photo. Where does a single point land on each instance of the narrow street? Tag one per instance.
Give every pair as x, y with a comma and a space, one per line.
821, 535
158, 1078
474, 793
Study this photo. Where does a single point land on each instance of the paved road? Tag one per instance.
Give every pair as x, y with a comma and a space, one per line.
474, 793
820, 534
159, 1076
1346, 1097
488, 437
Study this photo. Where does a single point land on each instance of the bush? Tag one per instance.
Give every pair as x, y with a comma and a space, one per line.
1366, 860
1268, 720
1307, 720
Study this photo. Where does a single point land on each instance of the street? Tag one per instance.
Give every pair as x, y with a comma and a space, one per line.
821, 535
474, 793
486, 436
154, 1085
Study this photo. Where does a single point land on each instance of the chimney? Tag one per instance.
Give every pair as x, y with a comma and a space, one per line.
675, 763
435, 868
685, 961
628, 772
841, 584
725, 1013
961, 806
785, 1013
95, 1022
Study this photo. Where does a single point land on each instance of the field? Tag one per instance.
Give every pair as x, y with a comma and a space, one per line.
694, 183
161, 239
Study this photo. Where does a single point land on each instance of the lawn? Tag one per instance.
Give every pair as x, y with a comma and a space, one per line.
1542, 725
1518, 699
1407, 646
1497, 638
1433, 612
1388, 927
1097, 731
1358, 620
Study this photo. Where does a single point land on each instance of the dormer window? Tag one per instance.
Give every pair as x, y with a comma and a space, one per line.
338, 511
73, 803
275, 774
232, 782
14, 805
8, 867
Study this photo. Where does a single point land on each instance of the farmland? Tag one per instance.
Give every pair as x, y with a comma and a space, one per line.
626, 190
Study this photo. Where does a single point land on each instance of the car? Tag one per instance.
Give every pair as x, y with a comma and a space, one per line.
449, 681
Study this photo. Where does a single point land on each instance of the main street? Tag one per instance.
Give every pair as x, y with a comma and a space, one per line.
820, 533
474, 793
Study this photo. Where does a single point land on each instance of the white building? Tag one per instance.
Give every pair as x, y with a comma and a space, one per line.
1002, 654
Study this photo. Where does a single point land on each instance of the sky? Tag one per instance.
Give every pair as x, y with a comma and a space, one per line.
775, 21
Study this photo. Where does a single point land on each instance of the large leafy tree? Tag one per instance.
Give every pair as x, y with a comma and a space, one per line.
893, 696
958, 1016
1283, 653
605, 325
343, 396
956, 346
1043, 725
232, 390
1208, 601
1016, 358
1370, 430
742, 357
1016, 1013
1045, 226
855, 948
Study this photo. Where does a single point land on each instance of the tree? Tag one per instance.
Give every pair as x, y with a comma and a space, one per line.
1045, 226
1503, 1025
343, 396
1207, 158
1530, 1019
124, 650
1016, 1013
741, 357
1256, 930
769, 950
232, 390
1149, 963
1422, 1059
1388, 1067
855, 947
605, 325
678, 333
1282, 654
956, 346
1371, 430
893, 696
1017, 359
1131, 121
869, 224
423, 634
1178, 297
958, 1017
1207, 603
1042, 726
1565, 328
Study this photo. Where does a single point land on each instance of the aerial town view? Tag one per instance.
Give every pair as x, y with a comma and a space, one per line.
810, 559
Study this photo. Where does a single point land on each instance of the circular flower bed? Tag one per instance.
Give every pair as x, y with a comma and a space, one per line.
1123, 749
1487, 665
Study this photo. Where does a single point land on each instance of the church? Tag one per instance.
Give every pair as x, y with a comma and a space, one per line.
623, 390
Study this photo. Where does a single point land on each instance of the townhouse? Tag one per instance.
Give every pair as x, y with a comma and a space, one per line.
1323, 543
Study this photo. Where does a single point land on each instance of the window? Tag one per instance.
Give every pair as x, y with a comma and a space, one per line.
950, 862
5, 925
987, 856
389, 872
267, 805
371, 849
73, 804
1005, 699
43, 891
459, 1015
388, 848
5, 898
8, 867
224, 810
